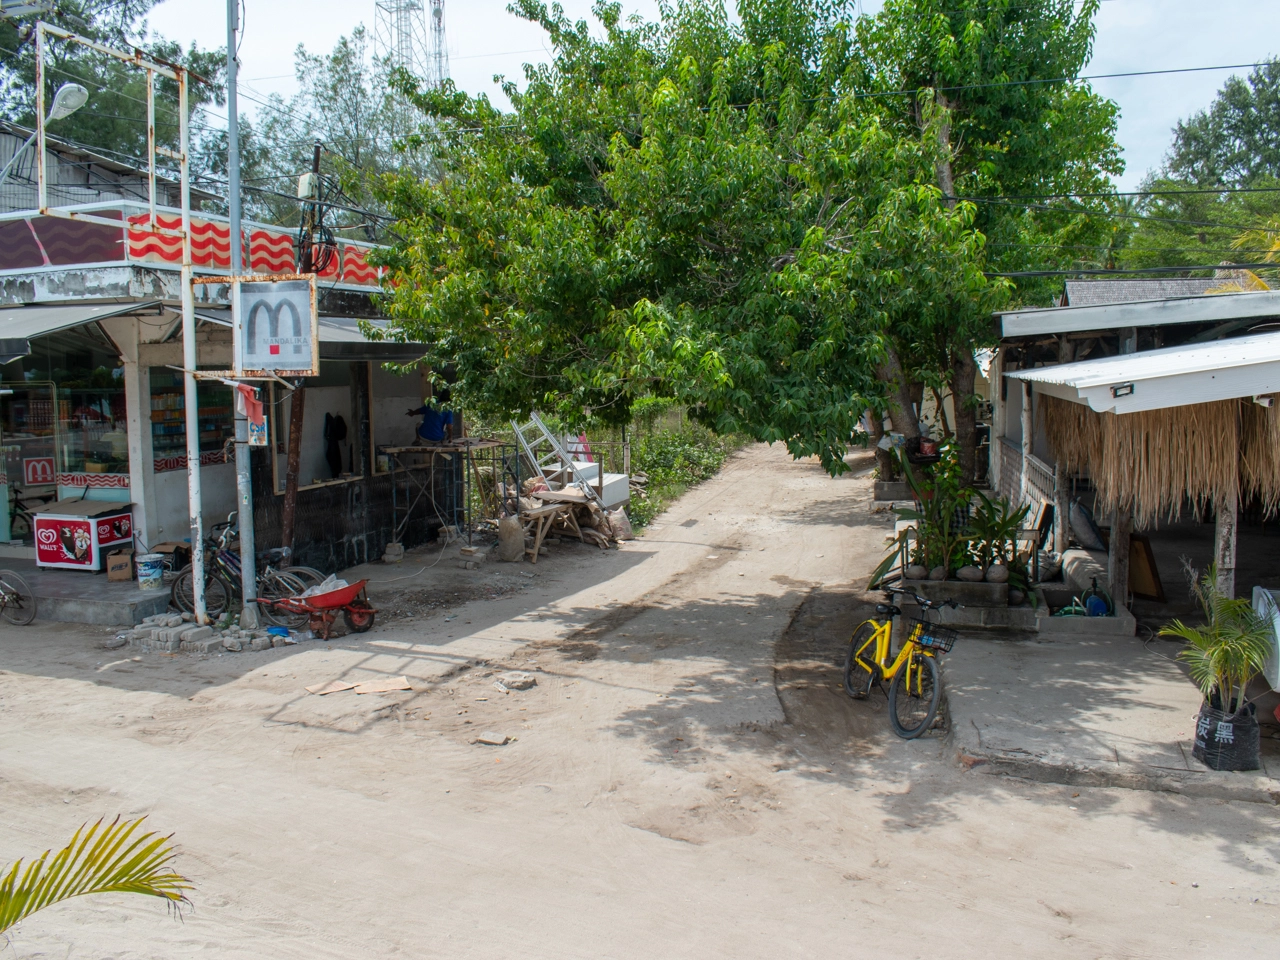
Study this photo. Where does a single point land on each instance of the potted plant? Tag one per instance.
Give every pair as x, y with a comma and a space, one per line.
1223, 655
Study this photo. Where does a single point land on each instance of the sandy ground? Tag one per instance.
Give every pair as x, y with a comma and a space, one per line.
686, 779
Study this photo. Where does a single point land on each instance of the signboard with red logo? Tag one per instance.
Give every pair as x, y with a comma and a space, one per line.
75, 534
274, 326
38, 470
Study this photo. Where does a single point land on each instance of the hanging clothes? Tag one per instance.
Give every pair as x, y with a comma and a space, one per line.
335, 431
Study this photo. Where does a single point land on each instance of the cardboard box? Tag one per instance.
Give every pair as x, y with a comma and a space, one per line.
120, 565
181, 552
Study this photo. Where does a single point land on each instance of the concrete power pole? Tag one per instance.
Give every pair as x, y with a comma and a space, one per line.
244, 483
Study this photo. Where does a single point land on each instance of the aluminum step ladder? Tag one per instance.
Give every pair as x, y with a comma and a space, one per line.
554, 462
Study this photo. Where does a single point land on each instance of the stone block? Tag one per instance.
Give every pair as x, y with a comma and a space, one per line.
115, 643
260, 643
969, 594
468, 565
192, 634
232, 644
278, 642
893, 490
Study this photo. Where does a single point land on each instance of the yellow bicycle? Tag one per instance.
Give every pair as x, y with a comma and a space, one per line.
915, 683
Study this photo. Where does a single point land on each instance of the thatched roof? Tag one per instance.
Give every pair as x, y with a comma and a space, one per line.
1157, 462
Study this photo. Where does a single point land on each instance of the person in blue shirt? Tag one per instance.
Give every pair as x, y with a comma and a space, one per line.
437, 421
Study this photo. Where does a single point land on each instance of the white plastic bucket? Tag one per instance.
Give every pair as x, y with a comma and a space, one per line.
151, 571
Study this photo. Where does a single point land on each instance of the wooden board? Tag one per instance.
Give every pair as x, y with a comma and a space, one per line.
1144, 576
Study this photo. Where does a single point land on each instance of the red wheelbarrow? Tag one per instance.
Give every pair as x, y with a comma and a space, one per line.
321, 609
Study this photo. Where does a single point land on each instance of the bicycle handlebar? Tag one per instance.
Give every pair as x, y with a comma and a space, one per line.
924, 602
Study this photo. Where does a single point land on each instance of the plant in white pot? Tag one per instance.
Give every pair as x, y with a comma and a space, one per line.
1223, 655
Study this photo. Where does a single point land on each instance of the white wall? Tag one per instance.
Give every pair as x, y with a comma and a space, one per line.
392, 396
217, 495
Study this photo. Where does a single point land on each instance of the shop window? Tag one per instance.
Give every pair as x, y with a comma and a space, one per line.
66, 411
330, 442
169, 420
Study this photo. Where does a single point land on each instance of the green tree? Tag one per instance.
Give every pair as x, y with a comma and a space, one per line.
1237, 139
994, 81
692, 208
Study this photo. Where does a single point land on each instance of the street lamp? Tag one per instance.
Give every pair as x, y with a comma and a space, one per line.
69, 98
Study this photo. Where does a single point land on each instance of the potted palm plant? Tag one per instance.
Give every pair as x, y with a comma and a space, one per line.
1223, 655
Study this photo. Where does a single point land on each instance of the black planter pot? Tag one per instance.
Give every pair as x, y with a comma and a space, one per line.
1227, 742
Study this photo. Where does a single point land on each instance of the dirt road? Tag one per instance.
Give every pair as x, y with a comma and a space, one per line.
685, 780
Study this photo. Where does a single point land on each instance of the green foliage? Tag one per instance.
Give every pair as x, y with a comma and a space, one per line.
114, 858
1033, 137
1230, 648
1236, 141
994, 527
674, 461
693, 209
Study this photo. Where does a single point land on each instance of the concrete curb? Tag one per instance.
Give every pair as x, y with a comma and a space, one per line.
1131, 776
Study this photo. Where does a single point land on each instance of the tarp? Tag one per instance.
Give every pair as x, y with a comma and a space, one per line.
40, 319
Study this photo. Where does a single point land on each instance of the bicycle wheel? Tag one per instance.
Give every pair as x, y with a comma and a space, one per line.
17, 602
275, 586
858, 674
308, 575
913, 703
217, 595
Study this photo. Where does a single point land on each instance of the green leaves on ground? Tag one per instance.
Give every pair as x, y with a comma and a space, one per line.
114, 858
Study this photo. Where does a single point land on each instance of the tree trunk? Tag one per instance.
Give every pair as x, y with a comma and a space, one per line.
885, 467
902, 412
964, 372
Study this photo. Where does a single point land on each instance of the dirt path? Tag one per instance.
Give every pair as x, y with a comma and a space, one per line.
685, 779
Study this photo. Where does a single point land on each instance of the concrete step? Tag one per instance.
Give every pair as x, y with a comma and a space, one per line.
74, 596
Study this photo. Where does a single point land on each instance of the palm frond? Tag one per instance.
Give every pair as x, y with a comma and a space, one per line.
99, 859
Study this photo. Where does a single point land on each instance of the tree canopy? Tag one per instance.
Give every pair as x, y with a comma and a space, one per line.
767, 220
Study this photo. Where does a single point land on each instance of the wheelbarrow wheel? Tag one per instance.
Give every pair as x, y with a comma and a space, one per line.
359, 616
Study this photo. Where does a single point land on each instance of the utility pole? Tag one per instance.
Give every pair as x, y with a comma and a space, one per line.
311, 214
244, 483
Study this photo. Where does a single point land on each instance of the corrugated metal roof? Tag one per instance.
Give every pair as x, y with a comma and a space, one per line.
1212, 308
1090, 293
1171, 377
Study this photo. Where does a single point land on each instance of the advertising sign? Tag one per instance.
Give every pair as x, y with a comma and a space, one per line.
274, 326
37, 470
64, 542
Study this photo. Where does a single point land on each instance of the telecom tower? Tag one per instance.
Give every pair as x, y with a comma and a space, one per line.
400, 36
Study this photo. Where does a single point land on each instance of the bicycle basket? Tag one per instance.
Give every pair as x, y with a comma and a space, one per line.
931, 636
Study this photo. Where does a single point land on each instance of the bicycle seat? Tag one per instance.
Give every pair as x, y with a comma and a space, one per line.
887, 609
274, 555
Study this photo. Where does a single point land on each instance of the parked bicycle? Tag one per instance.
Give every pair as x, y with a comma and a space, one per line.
17, 602
915, 682
222, 580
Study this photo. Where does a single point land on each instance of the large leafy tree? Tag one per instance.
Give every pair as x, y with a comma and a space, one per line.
994, 81
691, 208
1237, 139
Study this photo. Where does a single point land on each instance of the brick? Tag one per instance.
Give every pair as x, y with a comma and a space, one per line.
191, 634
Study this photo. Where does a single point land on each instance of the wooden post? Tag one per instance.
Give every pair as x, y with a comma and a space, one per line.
1121, 517
1224, 547
1026, 439
297, 408
1061, 509
1118, 555
996, 445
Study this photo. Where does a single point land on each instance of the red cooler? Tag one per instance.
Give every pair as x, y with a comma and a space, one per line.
77, 534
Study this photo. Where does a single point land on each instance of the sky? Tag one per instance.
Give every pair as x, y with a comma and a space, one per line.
483, 40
